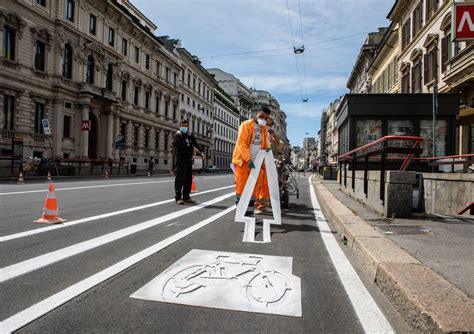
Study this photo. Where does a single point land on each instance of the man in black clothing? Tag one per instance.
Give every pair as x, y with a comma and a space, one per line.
184, 144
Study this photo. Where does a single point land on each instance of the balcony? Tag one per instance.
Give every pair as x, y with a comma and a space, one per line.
87, 88
7, 134
458, 66
10, 64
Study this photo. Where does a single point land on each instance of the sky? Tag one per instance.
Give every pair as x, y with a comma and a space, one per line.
236, 36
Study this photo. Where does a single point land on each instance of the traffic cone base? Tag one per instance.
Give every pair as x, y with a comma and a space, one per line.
20, 179
50, 210
193, 186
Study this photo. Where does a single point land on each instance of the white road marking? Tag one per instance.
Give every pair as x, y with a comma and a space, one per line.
44, 260
101, 216
32, 313
371, 317
86, 187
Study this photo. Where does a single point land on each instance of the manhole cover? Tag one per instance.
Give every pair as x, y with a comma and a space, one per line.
402, 229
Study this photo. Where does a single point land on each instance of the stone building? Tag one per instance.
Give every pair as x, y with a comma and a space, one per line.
359, 81
226, 126
427, 54
263, 97
95, 70
197, 101
241, 94
331, 136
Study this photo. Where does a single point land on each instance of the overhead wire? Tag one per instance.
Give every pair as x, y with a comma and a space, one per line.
305, 100
294, 45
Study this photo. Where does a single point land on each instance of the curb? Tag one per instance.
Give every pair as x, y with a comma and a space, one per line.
427, 301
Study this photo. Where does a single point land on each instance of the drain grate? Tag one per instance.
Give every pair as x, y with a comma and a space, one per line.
402, 229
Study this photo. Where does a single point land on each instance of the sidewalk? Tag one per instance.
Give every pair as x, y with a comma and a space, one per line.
425, 265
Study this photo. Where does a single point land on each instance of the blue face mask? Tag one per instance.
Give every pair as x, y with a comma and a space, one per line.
183, 130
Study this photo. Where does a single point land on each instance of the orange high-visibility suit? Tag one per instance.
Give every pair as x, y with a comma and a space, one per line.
241, 156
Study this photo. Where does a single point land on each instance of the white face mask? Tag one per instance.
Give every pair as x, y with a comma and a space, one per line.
262, 121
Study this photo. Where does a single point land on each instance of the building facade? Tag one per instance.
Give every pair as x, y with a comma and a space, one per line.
95, 70
226, 126
332, 136
240, 93
427, 54
197, 101
359, 81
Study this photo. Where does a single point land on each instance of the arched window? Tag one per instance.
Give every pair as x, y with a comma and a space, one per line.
110, 75
67, 61
446, 44
90, 70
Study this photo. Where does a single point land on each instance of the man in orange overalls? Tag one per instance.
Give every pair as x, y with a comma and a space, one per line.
252, 138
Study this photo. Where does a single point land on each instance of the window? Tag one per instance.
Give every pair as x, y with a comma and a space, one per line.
194, 83
418, 18
157, 104
158, 69
124, 90
431, 7
147, 138
92, 24
39, 115
9, 40
175, 109
147, 100
110, 75
416, 77
406, 81
111, 37
67, 61
426, 131
406, 33
70, 10
446, 49
168, 75
40, 56
189, 80
430, 65
124, 47
147, 61
67, 126
41, 2
90, 70
157, 140
166, 108
135, 96
123, 130
137, 55
135, 135
8, 111
175, 80
166, 144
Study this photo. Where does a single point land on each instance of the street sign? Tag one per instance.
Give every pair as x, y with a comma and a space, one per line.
46, 128
120, 142
85, 125
463, 22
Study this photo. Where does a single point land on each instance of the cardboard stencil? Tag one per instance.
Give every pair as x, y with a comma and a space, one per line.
242, 206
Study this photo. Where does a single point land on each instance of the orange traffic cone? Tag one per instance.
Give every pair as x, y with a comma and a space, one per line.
193, 186
20, 179
49, 177
50, 210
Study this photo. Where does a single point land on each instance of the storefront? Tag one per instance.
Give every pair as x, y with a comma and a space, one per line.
363, 118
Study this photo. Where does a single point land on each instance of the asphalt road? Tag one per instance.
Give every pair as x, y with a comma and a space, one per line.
74, 278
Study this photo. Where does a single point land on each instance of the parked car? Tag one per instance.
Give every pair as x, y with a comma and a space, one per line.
212, 169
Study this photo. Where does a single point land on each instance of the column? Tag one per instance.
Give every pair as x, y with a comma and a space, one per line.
85, 134
110, 134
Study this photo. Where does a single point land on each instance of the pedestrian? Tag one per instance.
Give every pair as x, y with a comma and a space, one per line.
252, 137
184, 145
151, 166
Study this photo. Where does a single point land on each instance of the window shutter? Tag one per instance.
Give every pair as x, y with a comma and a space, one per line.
413, 76
444, 53
427, 68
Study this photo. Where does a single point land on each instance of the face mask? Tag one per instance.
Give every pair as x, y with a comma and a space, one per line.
262, 121
183, 130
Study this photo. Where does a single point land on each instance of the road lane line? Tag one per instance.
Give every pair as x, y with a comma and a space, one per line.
101, 216
44, 260
371, 317
36, 311
87, 187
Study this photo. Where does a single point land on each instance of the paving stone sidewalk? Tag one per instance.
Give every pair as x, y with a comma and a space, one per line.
446, 244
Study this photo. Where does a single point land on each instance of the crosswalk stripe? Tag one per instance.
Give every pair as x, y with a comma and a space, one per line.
32, 313
101, 216
41, 261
